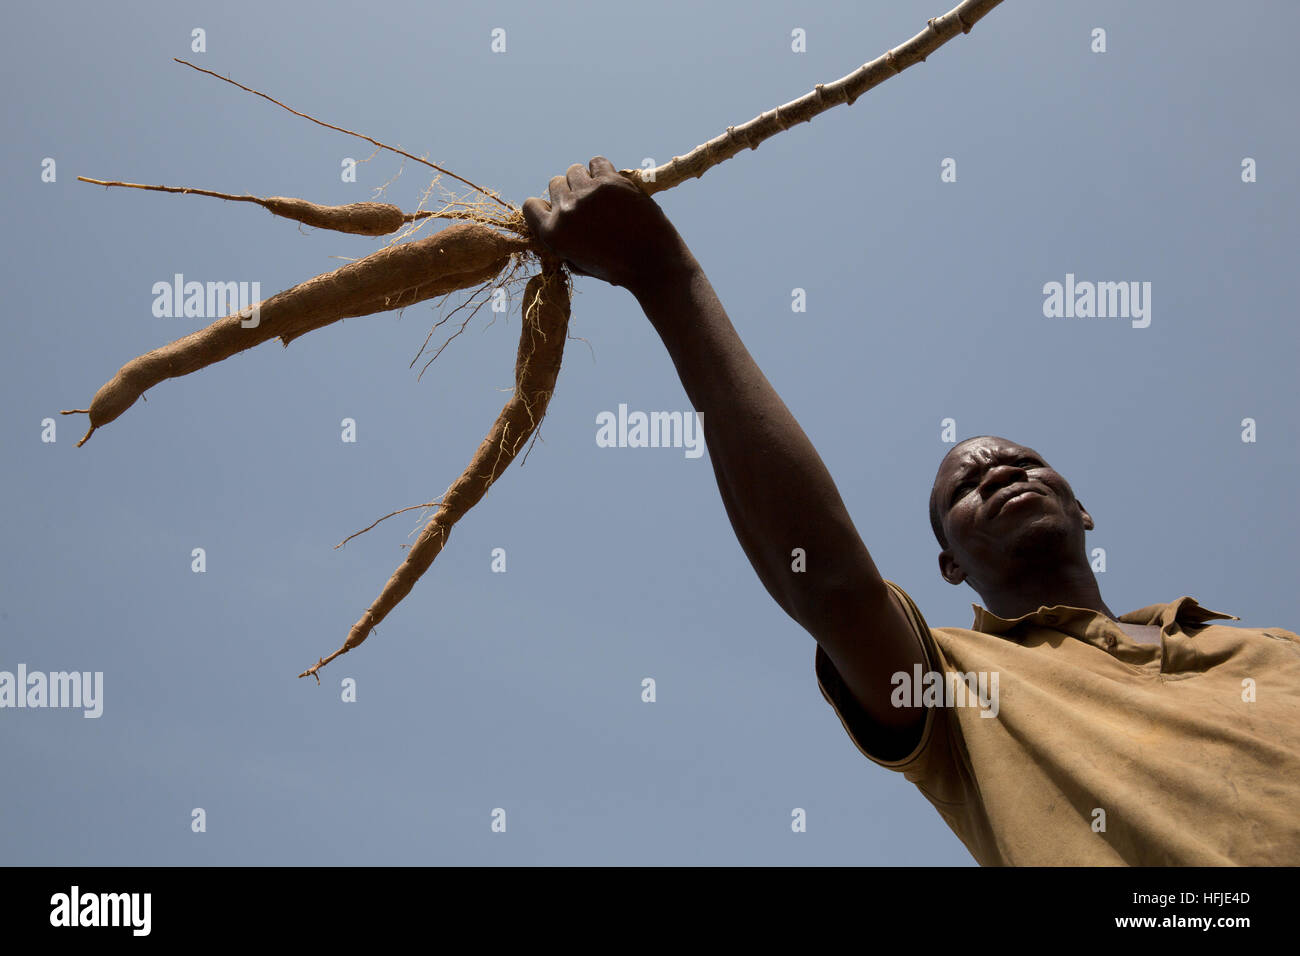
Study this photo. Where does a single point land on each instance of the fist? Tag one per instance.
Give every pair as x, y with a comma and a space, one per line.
603, 225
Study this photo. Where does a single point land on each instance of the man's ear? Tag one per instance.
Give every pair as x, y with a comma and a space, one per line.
1088, 523
952, 571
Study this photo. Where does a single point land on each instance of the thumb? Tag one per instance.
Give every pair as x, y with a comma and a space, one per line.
537, 213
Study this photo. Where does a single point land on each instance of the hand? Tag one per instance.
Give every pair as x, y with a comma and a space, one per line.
604, 226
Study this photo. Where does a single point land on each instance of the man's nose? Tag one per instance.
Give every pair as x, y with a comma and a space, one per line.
998, 477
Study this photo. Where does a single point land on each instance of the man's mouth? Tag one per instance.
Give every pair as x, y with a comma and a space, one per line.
1010, 496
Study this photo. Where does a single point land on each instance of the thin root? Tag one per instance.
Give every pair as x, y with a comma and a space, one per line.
391, 514
392, 149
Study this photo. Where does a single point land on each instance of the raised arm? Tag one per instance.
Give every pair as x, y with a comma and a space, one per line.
777, 492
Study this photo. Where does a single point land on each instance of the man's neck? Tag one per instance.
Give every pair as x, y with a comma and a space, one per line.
1027, 592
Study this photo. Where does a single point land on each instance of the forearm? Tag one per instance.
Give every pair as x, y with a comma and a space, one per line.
779, 496
777, 491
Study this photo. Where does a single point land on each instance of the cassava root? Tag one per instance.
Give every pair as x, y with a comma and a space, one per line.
537, 364
458, 257
356, 218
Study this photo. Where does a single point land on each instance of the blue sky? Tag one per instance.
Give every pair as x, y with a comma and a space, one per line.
522, 690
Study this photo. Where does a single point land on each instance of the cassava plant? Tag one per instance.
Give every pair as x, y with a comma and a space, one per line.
487, 248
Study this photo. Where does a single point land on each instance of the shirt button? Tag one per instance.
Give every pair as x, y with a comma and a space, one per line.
1110, 642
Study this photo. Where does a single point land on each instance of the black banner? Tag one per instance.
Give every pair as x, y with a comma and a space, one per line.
339, 905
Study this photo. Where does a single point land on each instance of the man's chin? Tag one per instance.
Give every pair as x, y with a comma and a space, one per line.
1044, 539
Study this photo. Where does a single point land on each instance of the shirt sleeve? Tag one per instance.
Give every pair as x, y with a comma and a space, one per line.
936, 763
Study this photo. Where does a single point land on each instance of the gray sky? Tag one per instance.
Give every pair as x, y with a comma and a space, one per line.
522, 690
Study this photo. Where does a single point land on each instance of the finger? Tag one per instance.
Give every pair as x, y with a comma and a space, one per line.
577, 176
602, 168
537, 213
559, 190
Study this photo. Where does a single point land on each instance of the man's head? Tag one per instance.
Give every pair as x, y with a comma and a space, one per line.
998, 509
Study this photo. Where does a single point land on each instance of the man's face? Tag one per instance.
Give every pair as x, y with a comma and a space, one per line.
1000, 502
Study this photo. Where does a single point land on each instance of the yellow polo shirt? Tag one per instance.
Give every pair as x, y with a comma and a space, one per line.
1101, 750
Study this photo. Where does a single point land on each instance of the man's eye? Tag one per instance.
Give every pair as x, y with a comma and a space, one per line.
1029, 461
959, 492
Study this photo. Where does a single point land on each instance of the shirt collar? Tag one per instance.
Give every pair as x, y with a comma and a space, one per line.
1185, 610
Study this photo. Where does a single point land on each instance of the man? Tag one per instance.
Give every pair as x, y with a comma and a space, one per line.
1052, 732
